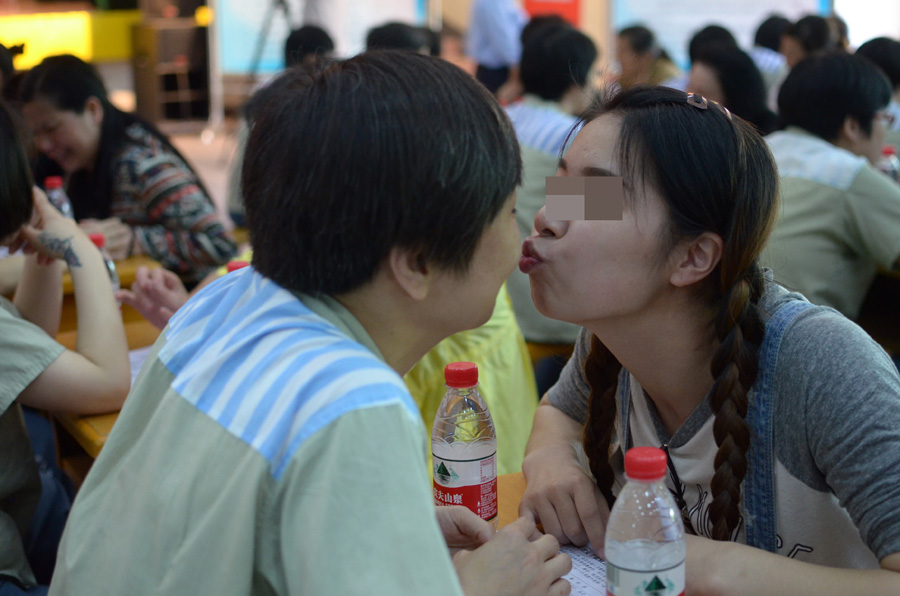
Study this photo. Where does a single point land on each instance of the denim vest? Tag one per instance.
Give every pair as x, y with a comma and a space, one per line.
758, 489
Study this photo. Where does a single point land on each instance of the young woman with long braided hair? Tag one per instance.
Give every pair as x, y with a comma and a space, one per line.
781, 419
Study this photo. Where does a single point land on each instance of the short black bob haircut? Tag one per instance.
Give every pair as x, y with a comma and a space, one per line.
555, 58
386, 149
741, 82
885, 53
813, 33
16, 181
711, 35
538, 22
769, 32
308, 40
398, 36
822, 91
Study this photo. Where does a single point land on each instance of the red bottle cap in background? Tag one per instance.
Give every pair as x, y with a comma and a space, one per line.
645, 463
52, 182
99, 240
235, 265
461, 374
888, 150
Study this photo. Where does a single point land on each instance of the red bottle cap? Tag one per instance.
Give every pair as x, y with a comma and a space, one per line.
235, 265
53, 182
461, 374
645, 463
99, 240
888, 150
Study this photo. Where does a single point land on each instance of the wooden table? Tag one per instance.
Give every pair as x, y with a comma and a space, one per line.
127, 270
510, 488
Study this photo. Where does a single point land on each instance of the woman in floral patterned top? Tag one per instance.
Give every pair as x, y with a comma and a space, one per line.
125, 179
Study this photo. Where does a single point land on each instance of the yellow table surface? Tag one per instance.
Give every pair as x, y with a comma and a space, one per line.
127, 270
91, 431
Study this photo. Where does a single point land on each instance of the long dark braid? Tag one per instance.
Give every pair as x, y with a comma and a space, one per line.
739, 329
602, 370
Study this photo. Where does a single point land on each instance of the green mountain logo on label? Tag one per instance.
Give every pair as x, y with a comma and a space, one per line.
445, 474
655, 588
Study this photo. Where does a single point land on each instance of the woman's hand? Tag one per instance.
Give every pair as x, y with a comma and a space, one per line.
518, 560
563, 497
559, 492
49, 235
156, 294
462, 529
119, 235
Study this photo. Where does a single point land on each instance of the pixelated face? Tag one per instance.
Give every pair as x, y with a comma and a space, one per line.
584, 197
586, 271
68, 138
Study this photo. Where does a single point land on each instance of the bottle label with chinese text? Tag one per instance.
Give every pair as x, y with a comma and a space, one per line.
471, 483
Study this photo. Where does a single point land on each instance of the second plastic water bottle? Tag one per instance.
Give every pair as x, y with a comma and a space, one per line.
889, 163
53, 186
645, 547
464, 445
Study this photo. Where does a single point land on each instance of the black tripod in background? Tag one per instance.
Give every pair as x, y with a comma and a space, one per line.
274, 5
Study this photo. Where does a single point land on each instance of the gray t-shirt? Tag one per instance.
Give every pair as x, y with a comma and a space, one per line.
836, 430
25, 352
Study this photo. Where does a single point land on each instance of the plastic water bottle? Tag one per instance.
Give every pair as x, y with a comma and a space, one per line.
464, 445
53, 186
99, 241
889, 163
645, 547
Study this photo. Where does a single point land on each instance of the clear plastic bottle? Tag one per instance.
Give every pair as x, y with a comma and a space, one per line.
464, 445
889, 163
99, 241
645, 547
53, 186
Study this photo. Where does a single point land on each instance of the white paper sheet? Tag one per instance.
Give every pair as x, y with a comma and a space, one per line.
137, 360
588, 575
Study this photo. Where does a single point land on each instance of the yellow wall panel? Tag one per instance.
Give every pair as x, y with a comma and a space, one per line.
97, 36
46, 34
111, 34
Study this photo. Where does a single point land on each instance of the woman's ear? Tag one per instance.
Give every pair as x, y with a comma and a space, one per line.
410, 271
851, 131
695, 259
94, 108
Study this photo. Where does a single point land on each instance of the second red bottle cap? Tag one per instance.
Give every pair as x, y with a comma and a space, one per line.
99, 240
51, 182
645, 463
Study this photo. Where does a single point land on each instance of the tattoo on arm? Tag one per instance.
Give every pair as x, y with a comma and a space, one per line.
61, 246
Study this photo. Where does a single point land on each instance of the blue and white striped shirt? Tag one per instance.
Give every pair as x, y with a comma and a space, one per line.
251, 356
540, 124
